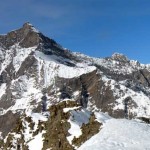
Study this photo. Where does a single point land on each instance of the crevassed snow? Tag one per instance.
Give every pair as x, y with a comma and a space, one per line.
120, 134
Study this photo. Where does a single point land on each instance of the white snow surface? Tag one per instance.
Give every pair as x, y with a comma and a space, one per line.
2, 89
65, 110
120, 134
36, 143
36, 117
102, 117
53, 64
78, 117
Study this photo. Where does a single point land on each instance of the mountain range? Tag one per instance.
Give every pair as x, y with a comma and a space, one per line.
54, 99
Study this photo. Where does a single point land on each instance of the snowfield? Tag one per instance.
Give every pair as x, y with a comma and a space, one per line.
36, 143
120, 134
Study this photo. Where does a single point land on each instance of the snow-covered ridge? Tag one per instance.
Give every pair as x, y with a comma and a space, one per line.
61, 70
120, 134
118, 63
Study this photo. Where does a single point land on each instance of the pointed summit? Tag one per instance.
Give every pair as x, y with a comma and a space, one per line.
30, 35
27, 36
28, 26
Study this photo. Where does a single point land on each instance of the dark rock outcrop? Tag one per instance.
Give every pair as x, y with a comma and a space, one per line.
8, 122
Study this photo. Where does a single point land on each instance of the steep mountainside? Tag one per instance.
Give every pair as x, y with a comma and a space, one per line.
53, 97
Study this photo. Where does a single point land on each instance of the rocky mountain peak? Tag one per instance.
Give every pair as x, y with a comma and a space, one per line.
30, 37
28, 25
26, 36
119, 57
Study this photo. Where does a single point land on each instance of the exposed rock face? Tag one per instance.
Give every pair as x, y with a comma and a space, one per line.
8, 122
57, 130
26, 37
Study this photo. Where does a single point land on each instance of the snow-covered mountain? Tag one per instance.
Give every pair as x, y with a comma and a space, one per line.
55, 99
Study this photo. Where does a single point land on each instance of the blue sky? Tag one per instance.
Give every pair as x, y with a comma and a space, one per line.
95, 27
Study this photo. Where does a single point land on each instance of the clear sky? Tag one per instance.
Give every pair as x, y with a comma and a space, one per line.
95, 27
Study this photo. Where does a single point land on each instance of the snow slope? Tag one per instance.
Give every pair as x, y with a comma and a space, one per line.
120, 134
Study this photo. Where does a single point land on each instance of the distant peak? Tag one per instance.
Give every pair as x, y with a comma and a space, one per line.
119, 57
